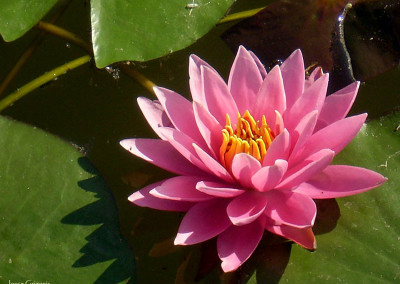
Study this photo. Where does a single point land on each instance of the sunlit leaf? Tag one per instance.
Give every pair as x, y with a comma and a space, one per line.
18, 16
58, 221
143, 30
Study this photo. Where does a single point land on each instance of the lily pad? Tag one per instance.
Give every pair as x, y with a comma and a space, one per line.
19, 16
58, 220
365, 245
144, 30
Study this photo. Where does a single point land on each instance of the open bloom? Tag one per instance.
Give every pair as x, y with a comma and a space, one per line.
250, 155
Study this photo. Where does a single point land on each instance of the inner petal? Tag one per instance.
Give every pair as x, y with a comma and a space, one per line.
247, 136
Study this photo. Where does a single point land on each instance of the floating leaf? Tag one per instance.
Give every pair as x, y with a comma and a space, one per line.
58, 221
144, 30
19, 16
364, 246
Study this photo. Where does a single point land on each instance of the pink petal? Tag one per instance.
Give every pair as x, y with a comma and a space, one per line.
237, 243
291, 208
203, 221
216, 168
312, 99
339, 181
335, 136
279, 149
180, 188
337, 105
244, 167
303, 237
154, 114
218, 98
184, 145
269, 176
144, 199
161, 154
218, 189
259, 65
270, 97
314, 76
196, 81
293, 77
209, 128
246, 208
180, 112
244, 80
302, 132
279, 124
307, 168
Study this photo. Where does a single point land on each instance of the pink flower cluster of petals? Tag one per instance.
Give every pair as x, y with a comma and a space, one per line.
276, 194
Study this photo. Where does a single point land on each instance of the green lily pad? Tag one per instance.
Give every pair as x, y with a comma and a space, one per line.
58, 221
365, 245
19, 16
144, 30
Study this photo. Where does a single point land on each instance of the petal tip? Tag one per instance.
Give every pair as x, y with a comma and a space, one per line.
180, 239
228, 267
125, 143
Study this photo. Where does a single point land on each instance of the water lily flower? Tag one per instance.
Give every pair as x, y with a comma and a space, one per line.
250, 155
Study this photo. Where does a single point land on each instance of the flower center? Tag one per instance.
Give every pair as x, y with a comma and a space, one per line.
249, 138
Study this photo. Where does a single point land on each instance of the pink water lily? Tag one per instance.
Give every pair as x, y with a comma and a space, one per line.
250, 155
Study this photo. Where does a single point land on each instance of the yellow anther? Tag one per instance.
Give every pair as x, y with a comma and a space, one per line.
248, 137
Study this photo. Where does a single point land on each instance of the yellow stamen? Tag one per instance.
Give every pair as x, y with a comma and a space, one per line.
249, 138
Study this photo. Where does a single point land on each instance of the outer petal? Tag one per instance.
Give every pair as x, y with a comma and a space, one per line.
335, 136
291, 208
246, 208
144, 199
244, 80
303, 237
244, 167
307, 168
337, 105
219, 189
293, 77
219, 101
180, 112
312, 99
154, 114
184, 145
237, 243
268, 177
196, 81
216, 168
161, 154
279, 149
209, 128
203, 221
180, 188
339, 180
271, 97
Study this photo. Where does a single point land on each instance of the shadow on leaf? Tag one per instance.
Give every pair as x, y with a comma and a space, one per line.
106, 242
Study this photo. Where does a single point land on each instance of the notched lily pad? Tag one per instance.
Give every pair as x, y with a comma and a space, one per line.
364, 246
58, 221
